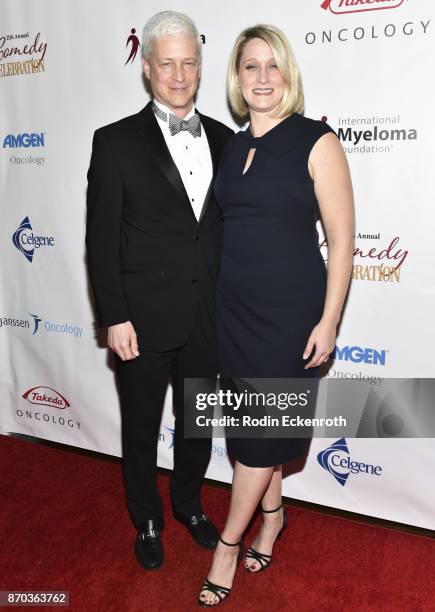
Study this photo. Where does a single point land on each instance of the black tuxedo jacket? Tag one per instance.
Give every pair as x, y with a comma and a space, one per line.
150, 261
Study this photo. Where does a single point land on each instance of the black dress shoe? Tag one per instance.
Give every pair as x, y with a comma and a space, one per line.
202, 530
149, 549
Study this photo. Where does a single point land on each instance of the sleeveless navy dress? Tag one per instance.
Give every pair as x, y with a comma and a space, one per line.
272, 280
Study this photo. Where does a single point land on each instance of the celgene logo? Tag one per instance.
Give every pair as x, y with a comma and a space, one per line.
24, 140
336, 460
356, 354
358, 6
46, 396
26, 241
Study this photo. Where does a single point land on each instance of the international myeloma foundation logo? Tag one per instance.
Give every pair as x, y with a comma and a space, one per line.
339, 7
46, 396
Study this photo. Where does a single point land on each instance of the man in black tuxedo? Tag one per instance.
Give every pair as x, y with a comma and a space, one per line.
153, 243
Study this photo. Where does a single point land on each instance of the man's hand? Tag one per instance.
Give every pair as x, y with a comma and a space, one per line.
122, 340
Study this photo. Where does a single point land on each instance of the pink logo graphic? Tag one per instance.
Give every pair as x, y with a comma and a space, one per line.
46, 396
339, 7
135, 44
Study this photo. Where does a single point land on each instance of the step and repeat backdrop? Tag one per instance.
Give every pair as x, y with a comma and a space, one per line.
68, 67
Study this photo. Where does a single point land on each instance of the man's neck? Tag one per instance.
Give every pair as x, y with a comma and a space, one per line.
181, 112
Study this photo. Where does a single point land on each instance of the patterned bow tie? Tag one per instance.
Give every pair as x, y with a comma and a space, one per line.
176, 125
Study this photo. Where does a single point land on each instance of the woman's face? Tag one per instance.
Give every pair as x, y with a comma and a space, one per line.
260, 81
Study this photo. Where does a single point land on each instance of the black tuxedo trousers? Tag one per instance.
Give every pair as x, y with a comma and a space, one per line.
153, 263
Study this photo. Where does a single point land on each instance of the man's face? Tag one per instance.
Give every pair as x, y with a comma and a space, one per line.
174, 70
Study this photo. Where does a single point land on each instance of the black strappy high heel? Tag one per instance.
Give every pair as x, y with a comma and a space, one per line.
221, 592
263, 559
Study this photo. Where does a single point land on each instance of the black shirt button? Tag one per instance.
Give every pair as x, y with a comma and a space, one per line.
193, 280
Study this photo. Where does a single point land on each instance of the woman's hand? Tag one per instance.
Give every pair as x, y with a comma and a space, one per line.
323, 338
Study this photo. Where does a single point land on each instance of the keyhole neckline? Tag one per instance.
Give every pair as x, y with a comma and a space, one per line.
253, 138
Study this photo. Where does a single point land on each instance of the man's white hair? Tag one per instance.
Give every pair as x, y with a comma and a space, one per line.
167, 23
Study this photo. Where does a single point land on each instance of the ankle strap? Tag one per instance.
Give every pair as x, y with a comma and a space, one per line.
276, 509
227, 543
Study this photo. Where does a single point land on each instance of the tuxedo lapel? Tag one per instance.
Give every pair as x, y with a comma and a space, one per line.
155, 143
152, 137
214, 152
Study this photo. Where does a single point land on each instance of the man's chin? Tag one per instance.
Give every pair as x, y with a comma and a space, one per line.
180, 102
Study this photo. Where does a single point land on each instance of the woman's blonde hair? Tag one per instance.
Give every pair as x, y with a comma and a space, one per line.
293, 98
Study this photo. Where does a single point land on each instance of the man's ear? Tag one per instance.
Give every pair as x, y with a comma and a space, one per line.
146, 68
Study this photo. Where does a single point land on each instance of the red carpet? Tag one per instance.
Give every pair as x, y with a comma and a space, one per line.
64, 527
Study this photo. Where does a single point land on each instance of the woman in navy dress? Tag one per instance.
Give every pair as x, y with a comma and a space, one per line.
277, 304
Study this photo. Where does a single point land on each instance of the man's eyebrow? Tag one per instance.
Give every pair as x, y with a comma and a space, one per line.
185, 58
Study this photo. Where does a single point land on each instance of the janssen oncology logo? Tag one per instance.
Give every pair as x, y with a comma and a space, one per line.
48, 326
46, 396
24, 140
26, 241
340, 7
356, 354
336, 460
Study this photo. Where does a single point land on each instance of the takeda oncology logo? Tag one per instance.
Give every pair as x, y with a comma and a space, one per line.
26, 241
47, 407
337, 461
46, 396
339, 7
348, 31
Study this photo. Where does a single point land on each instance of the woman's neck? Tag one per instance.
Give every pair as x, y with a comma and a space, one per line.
260, 123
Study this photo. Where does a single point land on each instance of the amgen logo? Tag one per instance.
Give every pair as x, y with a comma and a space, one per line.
356, 354
24, 140
336, 460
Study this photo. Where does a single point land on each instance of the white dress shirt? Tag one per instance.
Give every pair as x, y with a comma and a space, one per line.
192, 158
